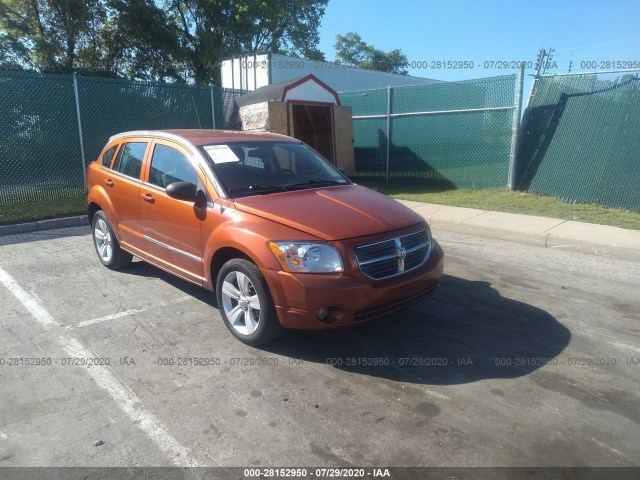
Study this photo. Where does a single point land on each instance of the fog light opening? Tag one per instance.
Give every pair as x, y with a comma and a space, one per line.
322, 314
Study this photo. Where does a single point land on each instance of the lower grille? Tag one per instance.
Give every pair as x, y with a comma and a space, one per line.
394, 256
384, 308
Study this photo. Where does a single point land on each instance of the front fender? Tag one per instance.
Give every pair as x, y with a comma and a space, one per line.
251, 244
249, 234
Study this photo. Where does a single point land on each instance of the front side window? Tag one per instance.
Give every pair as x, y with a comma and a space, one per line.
108, 156
168, 165
260, 168
129, 161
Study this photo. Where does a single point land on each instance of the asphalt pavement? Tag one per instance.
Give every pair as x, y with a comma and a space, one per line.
526, 356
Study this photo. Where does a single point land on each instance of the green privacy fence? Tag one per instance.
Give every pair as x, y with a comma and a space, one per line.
580, 139
40, 147
40, 155
455, 133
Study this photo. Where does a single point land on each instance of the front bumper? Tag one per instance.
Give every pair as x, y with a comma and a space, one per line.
350, 300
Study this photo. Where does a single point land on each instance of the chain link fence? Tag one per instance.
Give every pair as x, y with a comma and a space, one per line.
457, 134
49, 123
40, 157
580, 139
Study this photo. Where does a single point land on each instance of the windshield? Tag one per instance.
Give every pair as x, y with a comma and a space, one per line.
260, 168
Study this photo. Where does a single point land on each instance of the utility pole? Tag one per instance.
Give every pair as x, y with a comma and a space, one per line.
549, 55
539, 62
513, 177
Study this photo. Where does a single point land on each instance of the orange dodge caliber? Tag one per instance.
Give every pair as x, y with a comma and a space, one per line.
281, 236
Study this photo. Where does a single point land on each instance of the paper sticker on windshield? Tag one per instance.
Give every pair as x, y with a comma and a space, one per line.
221, 154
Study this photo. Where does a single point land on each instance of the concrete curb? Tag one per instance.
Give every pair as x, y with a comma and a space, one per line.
546, 232
49, 224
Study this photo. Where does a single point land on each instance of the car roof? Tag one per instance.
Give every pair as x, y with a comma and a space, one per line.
204, 136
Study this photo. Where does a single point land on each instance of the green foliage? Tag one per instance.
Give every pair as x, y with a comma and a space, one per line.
48, 34
182, 41
352, 50
94, 37
279, 26
212, 29
142, 42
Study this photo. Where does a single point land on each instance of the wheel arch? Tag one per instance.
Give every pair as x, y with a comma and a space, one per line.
222, 256
98, 199
92, 209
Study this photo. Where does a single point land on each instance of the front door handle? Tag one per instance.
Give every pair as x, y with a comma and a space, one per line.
147, 197
108, 182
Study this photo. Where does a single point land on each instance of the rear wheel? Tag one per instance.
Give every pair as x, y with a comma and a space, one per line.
245, 303
106, 243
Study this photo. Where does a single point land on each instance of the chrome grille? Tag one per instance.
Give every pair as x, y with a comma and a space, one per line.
394, 256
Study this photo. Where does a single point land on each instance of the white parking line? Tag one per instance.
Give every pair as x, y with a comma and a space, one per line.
124, 313
104, 377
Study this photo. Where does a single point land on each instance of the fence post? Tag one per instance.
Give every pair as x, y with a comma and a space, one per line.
213, 110
84, 162
515, 129
388, 150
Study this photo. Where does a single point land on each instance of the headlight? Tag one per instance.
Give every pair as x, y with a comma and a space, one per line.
303, 257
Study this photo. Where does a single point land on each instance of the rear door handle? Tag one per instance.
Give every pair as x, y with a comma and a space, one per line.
108, 182
147, 197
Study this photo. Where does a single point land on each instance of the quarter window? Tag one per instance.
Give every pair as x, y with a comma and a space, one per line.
168, 165
129, 161
108, 156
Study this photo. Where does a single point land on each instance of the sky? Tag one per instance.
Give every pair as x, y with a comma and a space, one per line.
485, 31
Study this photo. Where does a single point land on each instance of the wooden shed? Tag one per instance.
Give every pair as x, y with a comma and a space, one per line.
304, 108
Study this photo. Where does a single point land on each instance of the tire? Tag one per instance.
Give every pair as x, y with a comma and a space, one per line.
245, 303
106, 244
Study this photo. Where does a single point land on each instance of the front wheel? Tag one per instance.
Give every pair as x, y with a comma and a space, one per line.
106, 243
245, 302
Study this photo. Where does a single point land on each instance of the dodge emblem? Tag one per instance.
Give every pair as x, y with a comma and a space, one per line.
402, 255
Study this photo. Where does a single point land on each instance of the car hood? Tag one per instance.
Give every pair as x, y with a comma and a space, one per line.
334, 213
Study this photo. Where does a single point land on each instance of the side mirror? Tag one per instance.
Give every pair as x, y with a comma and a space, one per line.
186, 191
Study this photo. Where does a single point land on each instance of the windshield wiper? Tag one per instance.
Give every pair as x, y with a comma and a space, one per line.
313, 182
257, 189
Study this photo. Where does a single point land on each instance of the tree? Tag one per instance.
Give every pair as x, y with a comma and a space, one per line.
280, 26
47, 34
214, 29
180, 40
13, 55
132, 38
352, 50
140, 40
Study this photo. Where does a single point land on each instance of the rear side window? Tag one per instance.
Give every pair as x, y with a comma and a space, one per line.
168, 165
129, 161
108, 156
